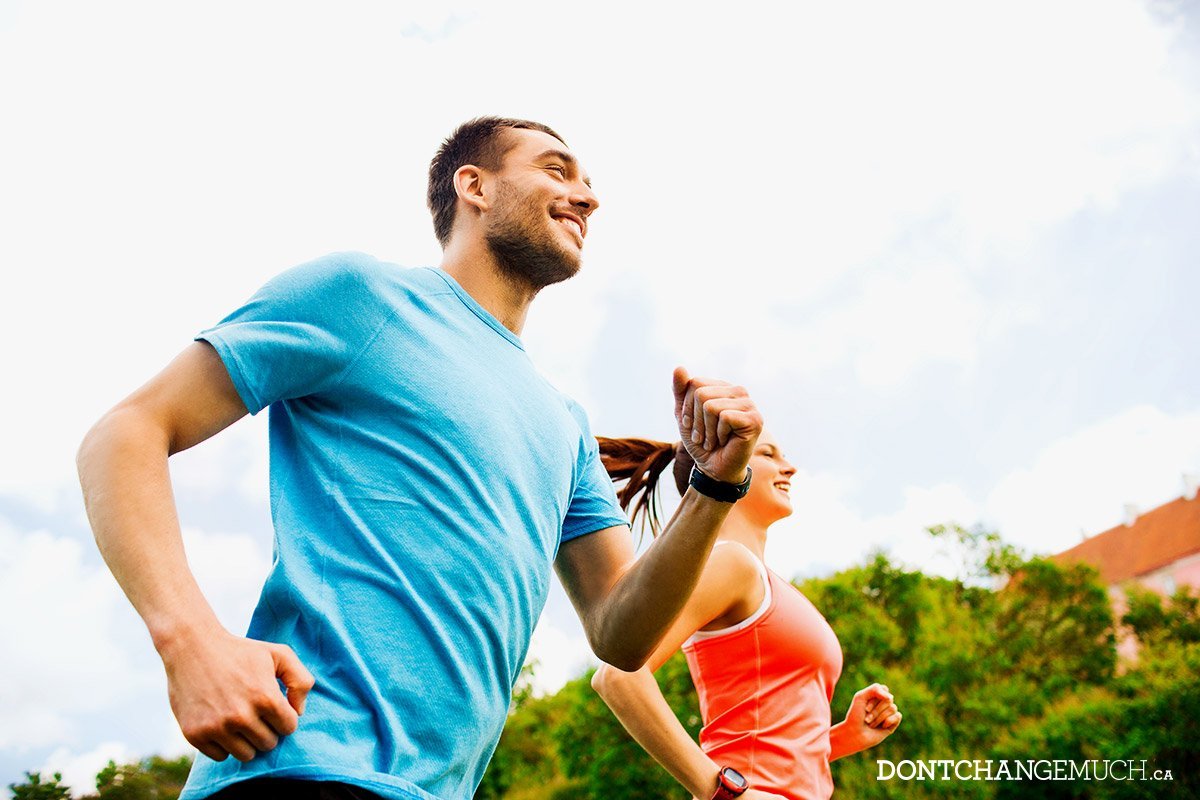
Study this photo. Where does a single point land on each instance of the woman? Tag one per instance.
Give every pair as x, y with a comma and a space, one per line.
763, 659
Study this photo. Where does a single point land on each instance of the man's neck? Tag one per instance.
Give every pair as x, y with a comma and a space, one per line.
477, 273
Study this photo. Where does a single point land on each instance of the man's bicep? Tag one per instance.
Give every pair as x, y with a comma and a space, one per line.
721, 583
589, 566
192, 399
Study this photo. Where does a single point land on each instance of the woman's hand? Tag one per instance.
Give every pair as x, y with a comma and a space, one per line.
872, 716
751, 794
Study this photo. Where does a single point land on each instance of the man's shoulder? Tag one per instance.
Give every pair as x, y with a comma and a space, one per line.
351, 268
353, 277
580, 415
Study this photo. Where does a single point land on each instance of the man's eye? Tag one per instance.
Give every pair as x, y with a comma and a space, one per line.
557, 169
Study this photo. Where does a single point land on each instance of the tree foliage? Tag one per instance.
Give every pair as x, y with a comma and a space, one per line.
35, 788
153, 778
1012, 659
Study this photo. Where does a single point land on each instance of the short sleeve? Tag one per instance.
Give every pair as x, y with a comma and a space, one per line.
300, 333
594, 505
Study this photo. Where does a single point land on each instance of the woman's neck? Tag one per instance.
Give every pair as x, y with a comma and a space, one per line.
737, 528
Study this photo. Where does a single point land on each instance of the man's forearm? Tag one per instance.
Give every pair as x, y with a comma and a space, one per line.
127, 492
652, 592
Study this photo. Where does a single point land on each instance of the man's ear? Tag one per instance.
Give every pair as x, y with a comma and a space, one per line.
468, 185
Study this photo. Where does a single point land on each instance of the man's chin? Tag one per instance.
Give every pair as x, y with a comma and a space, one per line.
536, 264
565, 271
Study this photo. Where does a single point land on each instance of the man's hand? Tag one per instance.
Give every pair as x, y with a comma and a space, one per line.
872, 716
718, 424
224, 691
750, 794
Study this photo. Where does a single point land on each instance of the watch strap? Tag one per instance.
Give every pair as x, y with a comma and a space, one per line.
719, 490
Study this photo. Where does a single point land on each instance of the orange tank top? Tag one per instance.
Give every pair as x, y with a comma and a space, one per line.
765, 686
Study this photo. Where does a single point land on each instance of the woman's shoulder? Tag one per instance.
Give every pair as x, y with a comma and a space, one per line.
733, 583
733, 560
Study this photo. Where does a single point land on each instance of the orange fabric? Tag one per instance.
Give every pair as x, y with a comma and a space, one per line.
765, 692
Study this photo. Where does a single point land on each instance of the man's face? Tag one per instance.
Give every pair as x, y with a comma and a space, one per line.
539, 213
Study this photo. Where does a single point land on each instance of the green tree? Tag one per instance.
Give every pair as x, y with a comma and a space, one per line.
1055, 627
34, 788
602, 759
153, 778
1146, 715
977, 553
1155, 623
1012, 658
525, 764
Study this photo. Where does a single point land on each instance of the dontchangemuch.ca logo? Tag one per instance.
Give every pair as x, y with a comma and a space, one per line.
949, 769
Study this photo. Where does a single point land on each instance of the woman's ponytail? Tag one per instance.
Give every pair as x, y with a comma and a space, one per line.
640, 463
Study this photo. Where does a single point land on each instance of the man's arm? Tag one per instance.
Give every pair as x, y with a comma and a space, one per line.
222, 687
626, 606
637, 701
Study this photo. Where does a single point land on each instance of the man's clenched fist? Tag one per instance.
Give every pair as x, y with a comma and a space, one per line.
224, 691
718, 424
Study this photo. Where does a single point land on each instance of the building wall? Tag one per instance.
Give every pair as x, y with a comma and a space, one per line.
1184, 572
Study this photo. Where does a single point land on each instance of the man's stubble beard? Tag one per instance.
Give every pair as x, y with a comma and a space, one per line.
525, 248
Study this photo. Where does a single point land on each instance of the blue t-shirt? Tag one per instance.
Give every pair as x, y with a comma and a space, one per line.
423, 475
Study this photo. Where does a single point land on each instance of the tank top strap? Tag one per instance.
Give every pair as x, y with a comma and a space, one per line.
758, 612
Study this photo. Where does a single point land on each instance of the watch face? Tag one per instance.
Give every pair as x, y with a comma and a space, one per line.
733, 778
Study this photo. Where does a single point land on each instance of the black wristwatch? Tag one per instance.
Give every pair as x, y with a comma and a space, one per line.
719, 490
730, 784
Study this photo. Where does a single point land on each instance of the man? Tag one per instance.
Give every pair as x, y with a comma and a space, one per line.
423, 479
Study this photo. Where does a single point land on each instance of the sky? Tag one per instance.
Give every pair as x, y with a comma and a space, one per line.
949, 248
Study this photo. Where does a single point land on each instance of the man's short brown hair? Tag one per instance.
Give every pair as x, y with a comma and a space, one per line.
479, 141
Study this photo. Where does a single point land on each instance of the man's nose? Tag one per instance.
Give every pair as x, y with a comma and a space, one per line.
584, 199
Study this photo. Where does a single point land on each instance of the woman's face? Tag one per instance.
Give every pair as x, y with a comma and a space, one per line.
769, 499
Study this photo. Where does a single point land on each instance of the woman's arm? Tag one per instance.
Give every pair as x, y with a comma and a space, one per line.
871, 719
636, 699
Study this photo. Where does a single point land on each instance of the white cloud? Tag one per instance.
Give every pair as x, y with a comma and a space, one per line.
62, 658
796, 163
939, 127
234, 460
66, 658
230, 569
826, 533
1082, 482
1079, 483
892, 324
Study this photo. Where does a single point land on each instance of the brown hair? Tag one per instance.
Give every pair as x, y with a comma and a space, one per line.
479, 141
639, 463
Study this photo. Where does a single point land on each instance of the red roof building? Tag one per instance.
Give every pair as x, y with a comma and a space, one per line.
1160, 549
